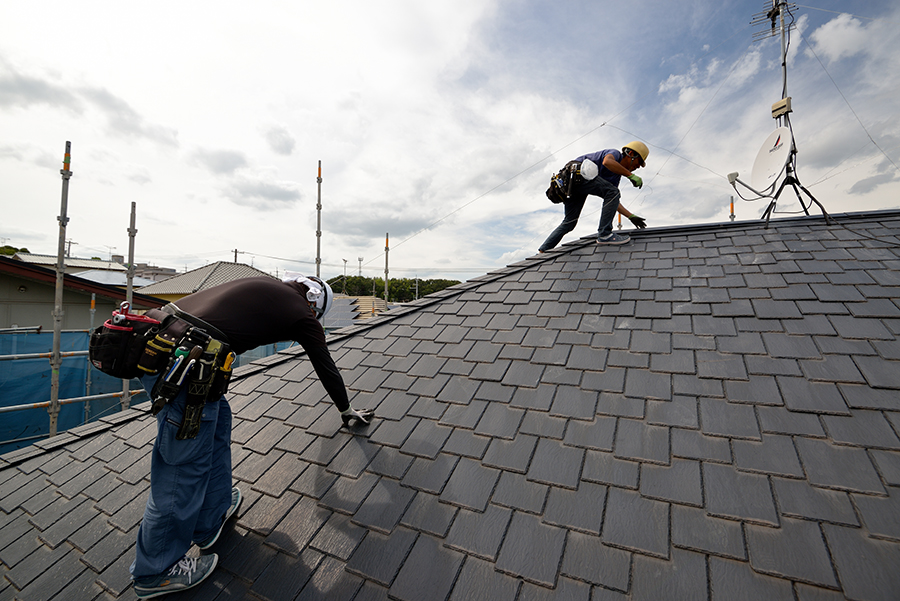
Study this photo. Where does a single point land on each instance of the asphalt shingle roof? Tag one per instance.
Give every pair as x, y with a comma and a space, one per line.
706, 413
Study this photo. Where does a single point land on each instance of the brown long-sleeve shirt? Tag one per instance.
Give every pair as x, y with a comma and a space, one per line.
255, 311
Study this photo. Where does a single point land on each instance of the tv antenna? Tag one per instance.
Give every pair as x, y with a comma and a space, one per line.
778, 155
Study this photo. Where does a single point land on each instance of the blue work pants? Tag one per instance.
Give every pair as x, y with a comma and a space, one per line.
190, 485
580, 191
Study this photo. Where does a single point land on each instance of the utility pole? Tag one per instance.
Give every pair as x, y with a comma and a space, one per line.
345, 275
360, 265
55, 357
319, 224
387, 248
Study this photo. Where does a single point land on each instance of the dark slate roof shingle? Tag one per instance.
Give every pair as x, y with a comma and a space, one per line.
709, 412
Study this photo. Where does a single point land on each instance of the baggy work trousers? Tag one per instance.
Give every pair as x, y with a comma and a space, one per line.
190, 485
595, 187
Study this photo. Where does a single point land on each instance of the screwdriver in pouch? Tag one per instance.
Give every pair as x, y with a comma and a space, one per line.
193, 407
166, 386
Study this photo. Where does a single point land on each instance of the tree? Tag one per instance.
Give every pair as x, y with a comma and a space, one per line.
11, 250
400, 290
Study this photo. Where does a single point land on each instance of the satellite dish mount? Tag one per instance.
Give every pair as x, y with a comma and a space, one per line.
777, 157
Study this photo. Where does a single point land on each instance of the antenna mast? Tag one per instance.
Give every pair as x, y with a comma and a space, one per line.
775, 19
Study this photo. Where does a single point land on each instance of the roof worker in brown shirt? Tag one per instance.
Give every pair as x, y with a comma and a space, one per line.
191, 490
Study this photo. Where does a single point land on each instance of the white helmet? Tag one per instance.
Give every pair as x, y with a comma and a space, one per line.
318, 294
321, 299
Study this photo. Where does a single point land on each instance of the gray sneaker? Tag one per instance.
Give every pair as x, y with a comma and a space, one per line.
187, 573
236, 499
614, 238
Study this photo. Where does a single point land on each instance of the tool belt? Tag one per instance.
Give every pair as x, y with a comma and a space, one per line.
186, 350
560, 189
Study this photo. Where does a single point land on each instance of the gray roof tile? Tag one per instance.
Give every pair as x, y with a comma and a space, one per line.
709, 412
532, 550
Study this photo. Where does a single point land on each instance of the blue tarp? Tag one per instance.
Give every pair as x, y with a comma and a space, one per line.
27, 381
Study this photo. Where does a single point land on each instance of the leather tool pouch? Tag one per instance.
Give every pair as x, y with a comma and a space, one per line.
561, 184
129, 345
116, 347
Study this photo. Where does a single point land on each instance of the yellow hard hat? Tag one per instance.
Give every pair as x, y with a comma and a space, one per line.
640, 148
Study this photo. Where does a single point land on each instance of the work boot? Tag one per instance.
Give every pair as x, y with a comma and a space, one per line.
236, 499
614, 238
187, 573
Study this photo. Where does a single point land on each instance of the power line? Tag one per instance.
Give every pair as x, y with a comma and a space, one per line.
837, 87
713, 97
411, 269
838, 12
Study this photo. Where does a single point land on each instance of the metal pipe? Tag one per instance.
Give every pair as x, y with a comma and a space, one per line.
55, 359
129, 289
43, 355
87, 376
22, 330
387, 248
109, 395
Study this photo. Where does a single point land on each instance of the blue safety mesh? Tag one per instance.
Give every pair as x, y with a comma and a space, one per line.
28, 381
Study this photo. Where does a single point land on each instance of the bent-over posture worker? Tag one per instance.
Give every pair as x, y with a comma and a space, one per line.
191, 489
613, 165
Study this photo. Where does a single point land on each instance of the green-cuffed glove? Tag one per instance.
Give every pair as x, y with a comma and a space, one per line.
638, 222
636, 181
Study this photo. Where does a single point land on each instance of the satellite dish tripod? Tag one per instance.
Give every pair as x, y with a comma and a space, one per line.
765, 162
790, 179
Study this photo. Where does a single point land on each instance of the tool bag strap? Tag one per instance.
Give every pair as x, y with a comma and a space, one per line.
195, 321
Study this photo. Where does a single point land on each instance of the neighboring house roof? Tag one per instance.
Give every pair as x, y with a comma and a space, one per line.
343, 313
71, 263
48, 276
204, 277
706, 413
114, 278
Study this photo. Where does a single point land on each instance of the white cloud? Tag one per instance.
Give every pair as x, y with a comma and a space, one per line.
440, 116
841, 37
262, 193
280, 140
220, 161
18, 90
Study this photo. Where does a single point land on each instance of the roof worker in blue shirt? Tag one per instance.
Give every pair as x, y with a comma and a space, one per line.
612, 165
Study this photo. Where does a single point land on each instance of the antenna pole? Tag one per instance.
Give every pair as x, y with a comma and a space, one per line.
780, 5
781, 112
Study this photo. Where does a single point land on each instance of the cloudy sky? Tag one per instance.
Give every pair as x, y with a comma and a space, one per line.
438, 122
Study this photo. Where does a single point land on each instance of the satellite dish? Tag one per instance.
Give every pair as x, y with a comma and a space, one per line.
771, 159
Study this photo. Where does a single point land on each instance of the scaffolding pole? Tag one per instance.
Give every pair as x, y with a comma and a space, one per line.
129, 291
55, 358
387, 248
319, 224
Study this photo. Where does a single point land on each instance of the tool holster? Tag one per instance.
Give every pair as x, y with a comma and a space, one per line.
202, 362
